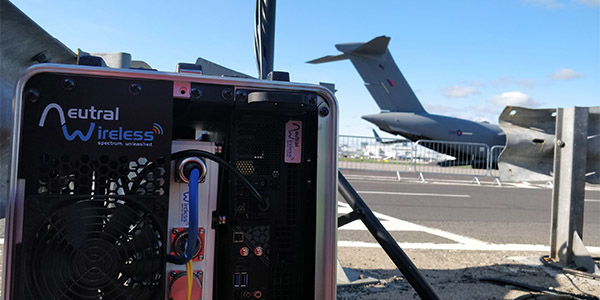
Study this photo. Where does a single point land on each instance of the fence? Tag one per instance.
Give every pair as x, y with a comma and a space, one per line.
493, 160
423, 156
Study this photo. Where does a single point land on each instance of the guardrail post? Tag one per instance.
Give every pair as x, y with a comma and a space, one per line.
568, 192
489, 161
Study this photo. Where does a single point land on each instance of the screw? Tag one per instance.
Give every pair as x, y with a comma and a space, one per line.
32, 95
227, 94
324, 111
312, 99
173, 274
135, 89
560, 143
241, 95
258, 251
68, 84
201, 257
219, 149
244, 251
201, 230
196, 93
275, 174
175, 231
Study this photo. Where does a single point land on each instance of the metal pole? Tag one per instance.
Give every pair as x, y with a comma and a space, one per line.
569, 182
264, 36
387, 242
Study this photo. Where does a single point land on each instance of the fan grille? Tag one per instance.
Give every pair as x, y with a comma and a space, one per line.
102, 248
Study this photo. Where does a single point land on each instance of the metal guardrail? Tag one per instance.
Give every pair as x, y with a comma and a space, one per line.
423, 156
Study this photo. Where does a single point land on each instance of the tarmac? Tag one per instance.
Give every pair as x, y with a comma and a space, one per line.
453, 274
456, 274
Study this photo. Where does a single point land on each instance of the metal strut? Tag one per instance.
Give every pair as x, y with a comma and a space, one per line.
385, 239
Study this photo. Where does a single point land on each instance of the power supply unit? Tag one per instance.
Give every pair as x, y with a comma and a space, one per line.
138, 184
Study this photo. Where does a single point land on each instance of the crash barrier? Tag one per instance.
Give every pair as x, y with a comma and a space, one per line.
423, 156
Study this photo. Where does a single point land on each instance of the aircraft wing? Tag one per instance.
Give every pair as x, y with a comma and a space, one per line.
328, 58
211, 68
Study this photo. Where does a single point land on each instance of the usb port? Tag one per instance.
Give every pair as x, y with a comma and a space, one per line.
243, 279
236, 280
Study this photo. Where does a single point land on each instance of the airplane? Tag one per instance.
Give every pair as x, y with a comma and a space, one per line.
380, 140
402, 113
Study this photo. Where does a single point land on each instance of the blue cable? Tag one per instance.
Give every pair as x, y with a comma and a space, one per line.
190, 248
193, 214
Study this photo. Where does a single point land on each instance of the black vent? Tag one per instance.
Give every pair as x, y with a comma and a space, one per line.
85, 174
260, 145
85, 248
283, 283
293, 192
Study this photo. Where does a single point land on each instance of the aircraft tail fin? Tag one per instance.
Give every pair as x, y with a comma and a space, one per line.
377, 137
381, 75
376, 46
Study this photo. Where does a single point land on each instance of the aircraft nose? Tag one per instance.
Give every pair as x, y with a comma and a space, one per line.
375, 119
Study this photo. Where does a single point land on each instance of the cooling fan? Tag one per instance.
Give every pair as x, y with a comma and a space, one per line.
92, 247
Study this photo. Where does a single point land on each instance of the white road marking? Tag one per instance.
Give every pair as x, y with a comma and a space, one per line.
394, 224
485, 247
592, 200
446, 181
414, 194
1, 241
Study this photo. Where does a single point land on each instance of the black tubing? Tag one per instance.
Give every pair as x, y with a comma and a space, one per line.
387, 242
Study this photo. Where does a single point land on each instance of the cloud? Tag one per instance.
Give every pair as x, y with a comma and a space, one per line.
502, 81
589, 2
505, 81
528, 83
564, 74
546, 3
460, 91
514, 99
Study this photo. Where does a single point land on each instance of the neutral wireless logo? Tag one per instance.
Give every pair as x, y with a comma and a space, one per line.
106, 136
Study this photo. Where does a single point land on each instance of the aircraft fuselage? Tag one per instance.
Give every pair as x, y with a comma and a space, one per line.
425, 126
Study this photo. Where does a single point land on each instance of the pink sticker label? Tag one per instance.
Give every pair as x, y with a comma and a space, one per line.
293, 142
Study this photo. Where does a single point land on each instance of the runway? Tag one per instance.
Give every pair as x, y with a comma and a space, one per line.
454, 213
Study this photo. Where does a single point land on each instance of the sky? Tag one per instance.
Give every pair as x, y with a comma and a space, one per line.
466, 59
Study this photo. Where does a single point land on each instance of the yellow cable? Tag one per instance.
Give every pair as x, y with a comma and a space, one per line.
189, 267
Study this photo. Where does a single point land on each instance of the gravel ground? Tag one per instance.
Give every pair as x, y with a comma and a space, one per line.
454, 274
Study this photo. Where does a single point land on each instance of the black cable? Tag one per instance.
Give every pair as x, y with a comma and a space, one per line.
542, 297
187, 153
538, 289
545, 259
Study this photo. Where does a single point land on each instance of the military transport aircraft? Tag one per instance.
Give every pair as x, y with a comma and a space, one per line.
402, 113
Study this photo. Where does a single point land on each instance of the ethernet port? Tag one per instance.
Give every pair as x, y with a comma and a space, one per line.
238, 237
